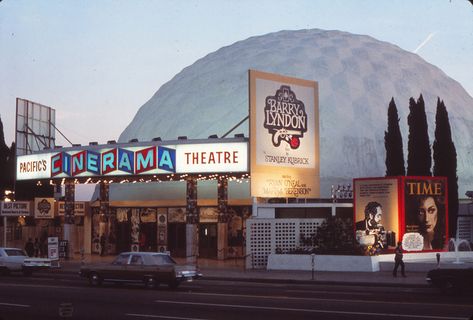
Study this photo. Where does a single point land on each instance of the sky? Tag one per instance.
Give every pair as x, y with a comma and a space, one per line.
97, 62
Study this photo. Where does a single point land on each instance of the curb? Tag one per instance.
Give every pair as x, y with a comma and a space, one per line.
319, 282
59, 272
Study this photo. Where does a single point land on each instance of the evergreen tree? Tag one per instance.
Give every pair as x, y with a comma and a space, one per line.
393, 144
419, 158
4, 152
445, 162
11, 167
334, 236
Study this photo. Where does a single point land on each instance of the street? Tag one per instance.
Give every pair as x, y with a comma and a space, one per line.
48, 296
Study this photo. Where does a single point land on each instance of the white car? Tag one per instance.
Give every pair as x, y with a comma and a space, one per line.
14, 259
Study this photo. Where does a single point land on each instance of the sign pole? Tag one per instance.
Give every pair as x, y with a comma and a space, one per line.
5, 231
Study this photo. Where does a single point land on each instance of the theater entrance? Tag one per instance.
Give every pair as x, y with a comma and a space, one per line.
177, 239
208, 240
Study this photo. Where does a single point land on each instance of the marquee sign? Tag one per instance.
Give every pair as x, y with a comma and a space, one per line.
144, 160
284, 134
79, 208
44, 208
15, 209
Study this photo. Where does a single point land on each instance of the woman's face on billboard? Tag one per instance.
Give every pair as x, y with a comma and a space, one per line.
428, 213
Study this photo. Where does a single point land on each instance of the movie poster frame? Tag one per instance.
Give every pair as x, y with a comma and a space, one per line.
399, 205
260, 173
446, 221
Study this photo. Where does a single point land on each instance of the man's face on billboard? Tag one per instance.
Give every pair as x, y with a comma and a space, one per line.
376, 218
378, 215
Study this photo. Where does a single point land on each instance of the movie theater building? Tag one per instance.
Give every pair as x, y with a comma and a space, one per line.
213, 198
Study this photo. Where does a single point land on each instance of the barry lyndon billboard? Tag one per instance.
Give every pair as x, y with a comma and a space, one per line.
142, 160
408, 209
284, 134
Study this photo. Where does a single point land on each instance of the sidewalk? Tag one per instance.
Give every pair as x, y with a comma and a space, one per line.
233, 270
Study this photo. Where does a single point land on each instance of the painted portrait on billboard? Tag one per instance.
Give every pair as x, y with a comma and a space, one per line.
425, 213
376, 214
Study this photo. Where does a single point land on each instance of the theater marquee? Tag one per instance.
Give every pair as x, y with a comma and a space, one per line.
284, 136
143, 160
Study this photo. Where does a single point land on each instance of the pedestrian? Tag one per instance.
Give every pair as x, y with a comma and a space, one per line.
103, 242
142, 241
398, 260
29, 247
43, 245
36, 247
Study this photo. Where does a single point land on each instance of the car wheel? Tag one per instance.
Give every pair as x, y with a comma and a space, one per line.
173, 284
150, 283
94, 279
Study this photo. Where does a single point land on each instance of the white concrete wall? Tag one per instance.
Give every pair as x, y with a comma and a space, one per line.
425, 260
266, 213
323, 263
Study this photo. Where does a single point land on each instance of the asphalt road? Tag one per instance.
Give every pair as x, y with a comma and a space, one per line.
44, 297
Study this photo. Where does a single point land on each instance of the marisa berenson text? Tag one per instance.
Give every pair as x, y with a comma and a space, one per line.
287, 186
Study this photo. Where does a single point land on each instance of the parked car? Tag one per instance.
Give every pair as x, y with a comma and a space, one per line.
14, 259
149, 268
451, 280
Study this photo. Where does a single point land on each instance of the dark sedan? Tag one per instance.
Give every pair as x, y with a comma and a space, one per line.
149, 268
451, 280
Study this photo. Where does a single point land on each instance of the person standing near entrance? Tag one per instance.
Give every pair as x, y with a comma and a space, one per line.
398, 255
36, 247
142, 241
103, 243
29, 248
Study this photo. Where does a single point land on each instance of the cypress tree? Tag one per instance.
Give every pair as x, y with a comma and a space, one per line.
445, 162
419, 157
393, 143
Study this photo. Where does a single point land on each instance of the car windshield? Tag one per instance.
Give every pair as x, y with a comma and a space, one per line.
15, 252
121, 259
163, 259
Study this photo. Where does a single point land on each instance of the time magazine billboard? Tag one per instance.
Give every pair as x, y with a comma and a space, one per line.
412, 210
284, 136
425, 213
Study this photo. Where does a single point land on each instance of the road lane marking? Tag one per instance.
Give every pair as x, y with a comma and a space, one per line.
334, 292
161, 317
377, 314
14, 305
38, 286
323, 299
